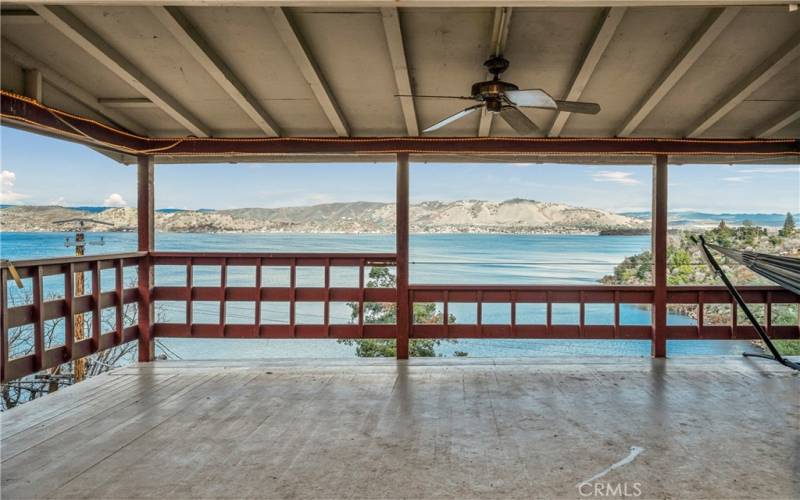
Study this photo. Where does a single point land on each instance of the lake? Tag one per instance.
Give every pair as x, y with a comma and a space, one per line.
435, 258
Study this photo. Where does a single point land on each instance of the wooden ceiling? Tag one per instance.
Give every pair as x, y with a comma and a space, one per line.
264, 68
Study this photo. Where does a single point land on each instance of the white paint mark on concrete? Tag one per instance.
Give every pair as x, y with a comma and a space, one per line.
635, 451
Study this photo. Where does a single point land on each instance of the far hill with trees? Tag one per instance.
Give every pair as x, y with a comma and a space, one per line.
685, 266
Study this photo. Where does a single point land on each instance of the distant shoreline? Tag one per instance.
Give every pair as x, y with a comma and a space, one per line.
515, 216
344, 233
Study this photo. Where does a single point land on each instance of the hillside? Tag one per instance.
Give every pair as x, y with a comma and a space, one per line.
511, 216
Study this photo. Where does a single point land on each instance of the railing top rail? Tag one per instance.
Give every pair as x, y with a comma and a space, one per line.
593, 286
716, 288
544, 287
70, 259
280, 255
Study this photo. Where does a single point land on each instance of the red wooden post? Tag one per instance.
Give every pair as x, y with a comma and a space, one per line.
97, 311
38, 325
659, 242
119, 271
223, 299
401, 219
69, 318
3, 323
146, 224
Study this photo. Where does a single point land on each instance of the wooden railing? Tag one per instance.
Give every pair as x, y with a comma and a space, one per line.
261, 291
679, 299
513, 296
25, 312
701, 297
244, 282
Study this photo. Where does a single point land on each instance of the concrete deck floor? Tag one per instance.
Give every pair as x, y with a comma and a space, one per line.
708, 427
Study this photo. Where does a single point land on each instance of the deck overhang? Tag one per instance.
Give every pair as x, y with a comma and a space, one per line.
27, 113
326, 80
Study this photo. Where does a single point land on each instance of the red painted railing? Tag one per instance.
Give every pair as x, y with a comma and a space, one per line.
682, 298
228, 293
43, 308
261, 292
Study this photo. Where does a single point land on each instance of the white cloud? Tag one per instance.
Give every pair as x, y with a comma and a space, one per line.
772, 170
60, 201
115, 200
7, 193
736, 179
615, 176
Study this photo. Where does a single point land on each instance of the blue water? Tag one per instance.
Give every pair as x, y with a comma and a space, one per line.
435, 258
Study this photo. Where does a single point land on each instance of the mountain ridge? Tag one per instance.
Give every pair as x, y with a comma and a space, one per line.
509, 216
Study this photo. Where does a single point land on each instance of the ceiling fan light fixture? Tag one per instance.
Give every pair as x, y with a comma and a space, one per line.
504, 98
494, 105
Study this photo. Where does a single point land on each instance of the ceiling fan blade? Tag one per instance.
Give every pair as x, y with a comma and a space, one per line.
416, 96
588, 108
533, 98
451, 119
518, 121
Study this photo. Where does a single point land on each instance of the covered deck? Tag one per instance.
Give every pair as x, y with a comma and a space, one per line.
514, 428
149, 81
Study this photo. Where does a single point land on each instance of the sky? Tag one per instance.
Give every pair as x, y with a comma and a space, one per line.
38, 170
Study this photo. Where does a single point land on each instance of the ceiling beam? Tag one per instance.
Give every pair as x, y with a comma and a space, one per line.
605, 32
118, 157
771, 128
33, 83
304, 60
411, 3
65, 85
19, 111
20, 16
74, 29
500, 24
191, 39
127, 102
776, 62
713, 26
397, 53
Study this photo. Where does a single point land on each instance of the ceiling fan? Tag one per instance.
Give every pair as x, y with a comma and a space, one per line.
505, 99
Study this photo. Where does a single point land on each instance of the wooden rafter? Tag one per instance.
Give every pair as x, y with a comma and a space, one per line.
605, 31
33, 83
500, 26
716, 22
127, 102
194, 43
304, 60
68, 87
21, 16
75, 29
774, 126
397, 53
776, 62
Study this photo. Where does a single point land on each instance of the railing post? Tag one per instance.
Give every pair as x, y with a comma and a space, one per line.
659, 243
402, 222
4, 355
146, 225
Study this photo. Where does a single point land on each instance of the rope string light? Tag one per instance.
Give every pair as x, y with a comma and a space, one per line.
156, 146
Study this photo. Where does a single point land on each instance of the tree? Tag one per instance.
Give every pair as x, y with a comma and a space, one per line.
386, 313
788, 225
